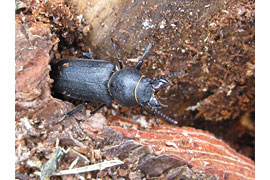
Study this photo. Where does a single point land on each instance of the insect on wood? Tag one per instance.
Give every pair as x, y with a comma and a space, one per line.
92, 80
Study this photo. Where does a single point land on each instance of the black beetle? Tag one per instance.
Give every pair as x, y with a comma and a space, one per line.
100, 81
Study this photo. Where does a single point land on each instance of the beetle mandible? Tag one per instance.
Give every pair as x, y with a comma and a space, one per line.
92, 80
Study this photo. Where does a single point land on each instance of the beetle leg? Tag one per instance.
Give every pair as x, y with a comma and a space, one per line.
89, 55
139, 64
121, 63
74, 111
97, 109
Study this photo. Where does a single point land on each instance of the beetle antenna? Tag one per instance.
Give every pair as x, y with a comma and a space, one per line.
167, 118
169, 75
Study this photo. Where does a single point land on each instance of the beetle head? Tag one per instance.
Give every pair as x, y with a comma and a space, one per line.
157, 83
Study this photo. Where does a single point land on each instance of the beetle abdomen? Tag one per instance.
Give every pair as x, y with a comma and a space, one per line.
83, 79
